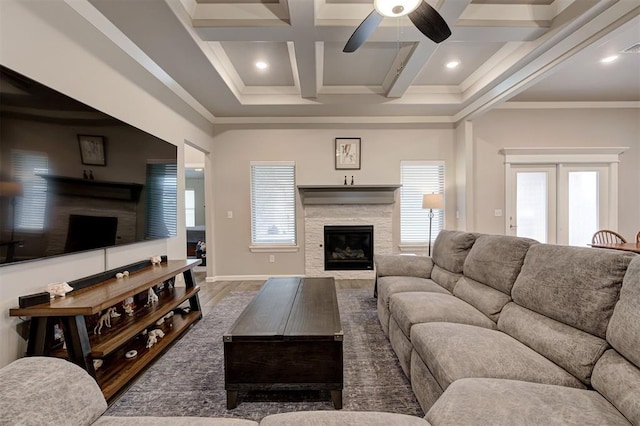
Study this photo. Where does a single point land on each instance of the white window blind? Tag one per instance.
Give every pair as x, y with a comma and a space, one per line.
273, 203
419, 178
28, 168
162, 200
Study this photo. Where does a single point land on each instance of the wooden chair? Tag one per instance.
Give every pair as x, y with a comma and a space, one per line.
605, 236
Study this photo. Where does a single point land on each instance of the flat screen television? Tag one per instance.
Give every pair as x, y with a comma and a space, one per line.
73, 178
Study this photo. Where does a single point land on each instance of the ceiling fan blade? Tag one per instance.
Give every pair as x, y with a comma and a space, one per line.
430, 22
362, 33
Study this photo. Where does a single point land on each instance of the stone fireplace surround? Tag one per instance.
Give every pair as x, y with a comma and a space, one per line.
334, 206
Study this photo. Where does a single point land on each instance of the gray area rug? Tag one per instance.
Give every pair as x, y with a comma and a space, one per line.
189, 379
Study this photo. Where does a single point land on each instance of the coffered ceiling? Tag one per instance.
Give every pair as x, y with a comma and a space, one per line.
523, 50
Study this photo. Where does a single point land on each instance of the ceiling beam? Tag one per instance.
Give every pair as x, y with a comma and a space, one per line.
302, 13
406, 73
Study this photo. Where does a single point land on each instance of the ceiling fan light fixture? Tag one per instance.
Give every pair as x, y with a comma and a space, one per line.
395, 8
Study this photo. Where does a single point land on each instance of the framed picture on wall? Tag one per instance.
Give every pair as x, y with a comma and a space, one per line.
92, 150
347, 152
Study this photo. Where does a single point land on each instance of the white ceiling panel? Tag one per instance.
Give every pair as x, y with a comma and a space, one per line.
244, 56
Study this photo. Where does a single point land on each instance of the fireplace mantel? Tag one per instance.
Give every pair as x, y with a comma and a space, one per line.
347, 194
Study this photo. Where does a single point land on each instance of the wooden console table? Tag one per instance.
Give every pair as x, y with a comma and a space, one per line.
125, 334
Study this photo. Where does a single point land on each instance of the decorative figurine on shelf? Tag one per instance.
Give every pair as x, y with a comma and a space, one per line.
169, 315
121, 275
152, 297
345, 180
160, 322
103, 321
351, 180
114, 312
151, 340
58, 289
157, 332
155, 260
97, 363
85, 175
128, 306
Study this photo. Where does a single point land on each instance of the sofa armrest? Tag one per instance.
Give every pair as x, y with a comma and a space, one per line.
401, 265
49, 391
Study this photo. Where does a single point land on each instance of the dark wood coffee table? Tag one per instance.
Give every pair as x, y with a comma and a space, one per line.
289, 337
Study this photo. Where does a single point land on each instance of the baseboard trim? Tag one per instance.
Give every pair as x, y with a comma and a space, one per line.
247, 277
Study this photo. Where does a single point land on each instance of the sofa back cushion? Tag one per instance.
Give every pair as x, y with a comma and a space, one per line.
451, 248
617, 373
573, 285
496, 260
574, 350
445, 278
618, 381
624, 328
490, 269
487, 300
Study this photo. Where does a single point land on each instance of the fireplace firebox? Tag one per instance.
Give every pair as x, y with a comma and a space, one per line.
348, 248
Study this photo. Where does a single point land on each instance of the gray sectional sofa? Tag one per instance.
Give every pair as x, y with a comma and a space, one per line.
504, 330
37, 391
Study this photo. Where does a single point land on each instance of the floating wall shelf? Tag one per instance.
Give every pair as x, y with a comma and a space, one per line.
347, 194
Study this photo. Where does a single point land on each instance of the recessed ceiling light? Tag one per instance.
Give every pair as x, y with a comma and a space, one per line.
452, 64
261, 65
609, 59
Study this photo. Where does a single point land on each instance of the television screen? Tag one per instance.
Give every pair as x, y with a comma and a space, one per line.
73, 178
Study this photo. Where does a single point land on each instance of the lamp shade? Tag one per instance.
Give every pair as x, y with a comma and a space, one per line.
432, 201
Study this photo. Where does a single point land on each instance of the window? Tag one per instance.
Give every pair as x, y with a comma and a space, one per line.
273, 204
190, 207
419, 178
162, 200
28, 168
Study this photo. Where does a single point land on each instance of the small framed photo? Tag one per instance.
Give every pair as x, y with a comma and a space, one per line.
92, 151
347, 153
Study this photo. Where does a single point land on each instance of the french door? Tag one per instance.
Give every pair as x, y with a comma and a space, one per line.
558, 203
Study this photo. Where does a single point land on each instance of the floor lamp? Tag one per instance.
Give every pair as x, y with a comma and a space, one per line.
432, 201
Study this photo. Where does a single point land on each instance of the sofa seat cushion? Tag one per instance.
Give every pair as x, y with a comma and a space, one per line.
388, 286
409, 309
509, 402
457, 351
48, 391
341, 418
619, 381
171, 421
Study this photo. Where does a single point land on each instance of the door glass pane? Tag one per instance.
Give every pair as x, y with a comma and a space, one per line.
531, 205
583, 207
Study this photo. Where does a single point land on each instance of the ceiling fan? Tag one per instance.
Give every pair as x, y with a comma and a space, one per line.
423, 16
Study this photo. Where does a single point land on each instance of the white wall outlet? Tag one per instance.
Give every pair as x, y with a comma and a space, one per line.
497, 212
229, 214
272, 258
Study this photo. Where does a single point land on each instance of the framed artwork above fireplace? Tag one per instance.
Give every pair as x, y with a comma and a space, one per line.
347, 152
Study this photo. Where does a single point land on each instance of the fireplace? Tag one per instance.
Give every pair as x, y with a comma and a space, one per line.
348, 248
